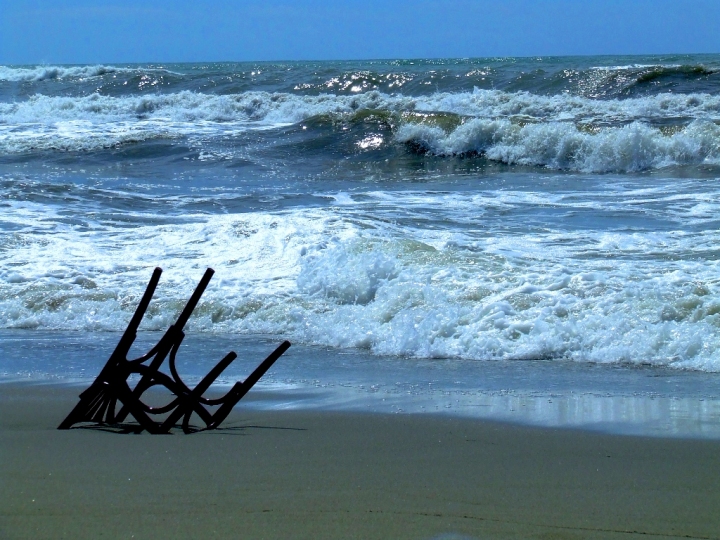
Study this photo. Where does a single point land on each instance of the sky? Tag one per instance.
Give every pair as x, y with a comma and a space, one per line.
119, 31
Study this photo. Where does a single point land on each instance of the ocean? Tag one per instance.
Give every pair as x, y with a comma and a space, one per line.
516, 238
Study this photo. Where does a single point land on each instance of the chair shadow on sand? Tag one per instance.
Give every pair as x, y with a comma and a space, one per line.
110, 399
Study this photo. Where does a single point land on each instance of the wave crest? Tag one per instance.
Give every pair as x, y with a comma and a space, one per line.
290, 108
560, 132
561, 145
44, 73
345, 281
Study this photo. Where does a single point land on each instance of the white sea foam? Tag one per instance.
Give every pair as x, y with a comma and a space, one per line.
289, 108
341, 277
561, 145
189, 106
628, 67
497, 104
43, 73
557, 131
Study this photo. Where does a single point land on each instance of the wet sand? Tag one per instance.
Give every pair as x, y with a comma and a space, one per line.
318, 474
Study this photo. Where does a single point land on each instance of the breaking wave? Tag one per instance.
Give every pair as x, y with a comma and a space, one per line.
629, 80
290, 108
560, 145
45, 73
340, 279
559, 132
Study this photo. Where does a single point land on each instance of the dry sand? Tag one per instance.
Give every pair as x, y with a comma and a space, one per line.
305, 474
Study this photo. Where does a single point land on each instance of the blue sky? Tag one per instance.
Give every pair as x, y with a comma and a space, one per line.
113, 31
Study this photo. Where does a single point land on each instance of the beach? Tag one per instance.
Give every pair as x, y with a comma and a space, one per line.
334, 474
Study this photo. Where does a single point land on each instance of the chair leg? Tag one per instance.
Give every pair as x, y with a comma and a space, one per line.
240, 389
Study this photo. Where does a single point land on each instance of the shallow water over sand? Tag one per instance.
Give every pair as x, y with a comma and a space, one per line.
615, 399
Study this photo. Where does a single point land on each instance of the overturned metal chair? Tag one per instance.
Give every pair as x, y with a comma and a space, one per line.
99, 403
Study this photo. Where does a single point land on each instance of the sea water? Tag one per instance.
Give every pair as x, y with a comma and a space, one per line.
475, 236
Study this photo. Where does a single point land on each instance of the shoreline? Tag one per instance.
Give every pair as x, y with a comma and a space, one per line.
664, 417
620, 399
330, 474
